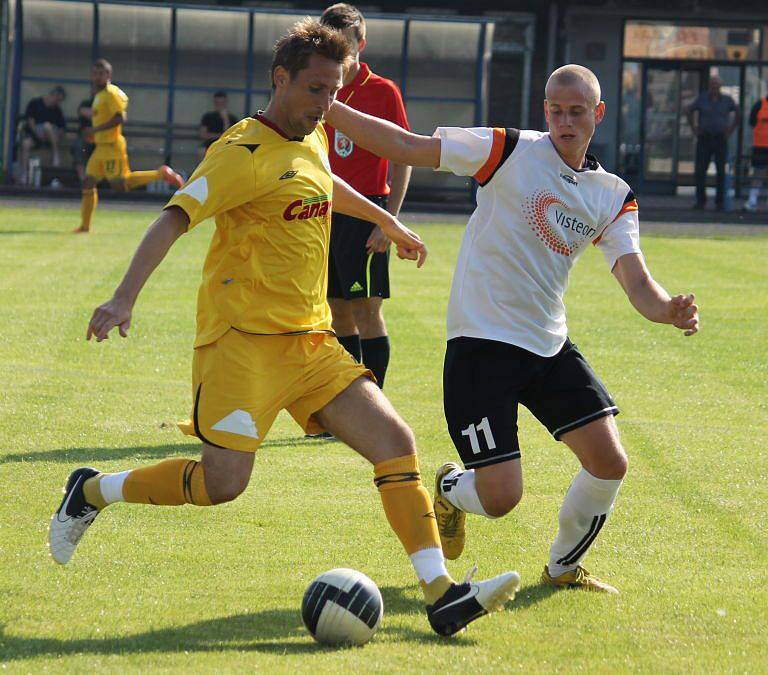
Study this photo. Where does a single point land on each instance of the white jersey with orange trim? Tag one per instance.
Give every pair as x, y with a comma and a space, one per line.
535, 215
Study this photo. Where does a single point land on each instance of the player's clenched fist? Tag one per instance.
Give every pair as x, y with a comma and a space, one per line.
409, 244
684, 313
106, 317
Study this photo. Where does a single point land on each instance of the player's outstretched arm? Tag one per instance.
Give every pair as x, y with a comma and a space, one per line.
350, 202
385, 139
651, 300
156, 243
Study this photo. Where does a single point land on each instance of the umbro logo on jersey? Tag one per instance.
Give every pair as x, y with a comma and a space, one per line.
288, 174
568, 179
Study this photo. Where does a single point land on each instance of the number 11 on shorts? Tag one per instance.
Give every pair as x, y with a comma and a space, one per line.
474, 440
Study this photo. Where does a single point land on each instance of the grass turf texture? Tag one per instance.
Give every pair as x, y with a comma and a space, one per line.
192, 589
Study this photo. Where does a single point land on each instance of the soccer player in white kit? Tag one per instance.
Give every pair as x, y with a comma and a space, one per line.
541, 201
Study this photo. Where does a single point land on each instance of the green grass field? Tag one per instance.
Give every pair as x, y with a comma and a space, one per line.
191, 589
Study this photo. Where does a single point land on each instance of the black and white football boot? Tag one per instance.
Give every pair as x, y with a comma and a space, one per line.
463, 603
72, 518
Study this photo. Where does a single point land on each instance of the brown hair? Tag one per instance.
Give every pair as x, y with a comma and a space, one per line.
342, 16
307, 37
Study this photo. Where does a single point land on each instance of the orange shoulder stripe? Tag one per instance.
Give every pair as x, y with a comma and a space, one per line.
492, 163
631, 205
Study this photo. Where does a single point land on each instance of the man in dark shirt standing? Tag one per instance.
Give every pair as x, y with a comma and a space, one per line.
214, 123
713, 116
43, 126
358, 269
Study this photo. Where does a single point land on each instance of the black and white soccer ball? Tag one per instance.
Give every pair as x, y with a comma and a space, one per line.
342, 606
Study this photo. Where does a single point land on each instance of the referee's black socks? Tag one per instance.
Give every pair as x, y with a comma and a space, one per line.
376, 356
352, 344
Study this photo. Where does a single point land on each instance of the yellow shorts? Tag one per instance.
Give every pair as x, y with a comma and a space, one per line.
241, 381
109, 161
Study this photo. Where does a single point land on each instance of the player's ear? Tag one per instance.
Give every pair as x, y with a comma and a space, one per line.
281, 76
361, 44
546, 110
599, 112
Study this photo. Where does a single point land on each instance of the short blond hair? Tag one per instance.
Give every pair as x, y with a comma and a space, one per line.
575, 75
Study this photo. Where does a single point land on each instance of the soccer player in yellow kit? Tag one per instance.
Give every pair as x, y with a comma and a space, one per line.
109, 160
264, 340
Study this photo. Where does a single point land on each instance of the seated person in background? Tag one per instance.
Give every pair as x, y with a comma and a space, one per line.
214, 123
83, 145
43, 126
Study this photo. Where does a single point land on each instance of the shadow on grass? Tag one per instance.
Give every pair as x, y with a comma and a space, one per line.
276, 631
96, 455
531, 595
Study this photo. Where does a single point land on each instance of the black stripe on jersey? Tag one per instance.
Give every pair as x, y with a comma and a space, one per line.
590, 163
511, 137
630, 197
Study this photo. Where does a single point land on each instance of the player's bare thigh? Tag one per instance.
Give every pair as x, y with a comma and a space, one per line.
227, 472
366, 421
598, 447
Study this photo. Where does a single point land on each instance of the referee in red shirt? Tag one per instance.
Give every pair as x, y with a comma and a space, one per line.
358, 269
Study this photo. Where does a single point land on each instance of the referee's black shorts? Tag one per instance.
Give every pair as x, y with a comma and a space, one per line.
352, 271
485, 380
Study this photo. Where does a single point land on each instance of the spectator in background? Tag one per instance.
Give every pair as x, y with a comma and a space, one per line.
758, 120
83, 145
713, 116
214, 123
44, 126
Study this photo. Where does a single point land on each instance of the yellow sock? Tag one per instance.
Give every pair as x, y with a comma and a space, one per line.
409, 512
88, 204
136, 179
169, 483
436, 589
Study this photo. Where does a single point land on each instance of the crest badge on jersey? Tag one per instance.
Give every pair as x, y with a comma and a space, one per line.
342, 144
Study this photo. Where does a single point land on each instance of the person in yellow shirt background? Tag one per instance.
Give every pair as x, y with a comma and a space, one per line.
109, 161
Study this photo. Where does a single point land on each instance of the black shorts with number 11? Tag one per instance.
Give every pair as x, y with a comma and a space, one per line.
485, 380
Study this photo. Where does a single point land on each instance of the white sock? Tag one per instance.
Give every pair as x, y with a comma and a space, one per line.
111, 486
429, 564
458, 487
584, 511
754, 195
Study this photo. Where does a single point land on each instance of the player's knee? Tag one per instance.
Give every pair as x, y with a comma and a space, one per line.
399, 441
500, 502
611, 465
227, 490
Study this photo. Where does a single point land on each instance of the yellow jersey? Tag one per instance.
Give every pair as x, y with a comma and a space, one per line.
266, 272
106, 104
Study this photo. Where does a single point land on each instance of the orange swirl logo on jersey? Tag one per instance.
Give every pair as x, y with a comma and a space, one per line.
303, 209
535, 209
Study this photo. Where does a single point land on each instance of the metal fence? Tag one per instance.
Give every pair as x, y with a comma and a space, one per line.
170, 58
